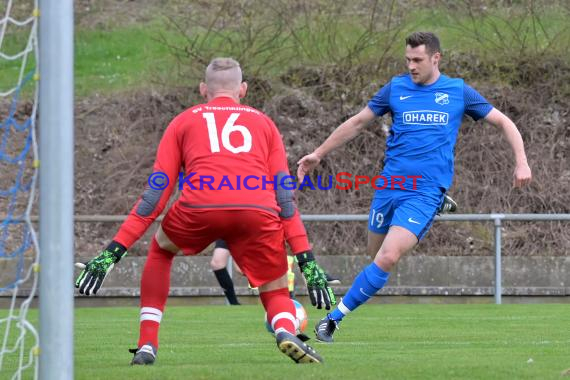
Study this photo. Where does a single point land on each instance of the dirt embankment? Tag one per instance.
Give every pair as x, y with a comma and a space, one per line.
116, 140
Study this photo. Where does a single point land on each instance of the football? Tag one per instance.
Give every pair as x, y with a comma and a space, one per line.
302, 319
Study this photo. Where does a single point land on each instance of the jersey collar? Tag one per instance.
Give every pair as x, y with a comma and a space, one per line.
223, 100
439, 80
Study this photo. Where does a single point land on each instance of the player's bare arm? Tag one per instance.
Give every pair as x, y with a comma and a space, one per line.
344, 133
522, 175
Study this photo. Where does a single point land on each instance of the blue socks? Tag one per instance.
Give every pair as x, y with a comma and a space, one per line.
365, 285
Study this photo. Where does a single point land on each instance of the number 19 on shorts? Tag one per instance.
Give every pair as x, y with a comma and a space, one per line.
376, 219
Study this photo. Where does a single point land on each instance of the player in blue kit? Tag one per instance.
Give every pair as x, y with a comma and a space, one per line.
427, 108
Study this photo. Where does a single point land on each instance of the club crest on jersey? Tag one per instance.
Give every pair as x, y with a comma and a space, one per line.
441, 98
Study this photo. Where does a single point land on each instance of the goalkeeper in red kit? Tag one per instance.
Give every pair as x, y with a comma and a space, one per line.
229, 161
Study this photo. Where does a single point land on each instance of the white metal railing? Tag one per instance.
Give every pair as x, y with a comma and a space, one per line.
497, 220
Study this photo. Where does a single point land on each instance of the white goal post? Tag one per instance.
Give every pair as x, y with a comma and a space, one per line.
56, 189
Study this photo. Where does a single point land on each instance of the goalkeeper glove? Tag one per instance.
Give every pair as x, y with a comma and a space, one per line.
319, 291
94, 272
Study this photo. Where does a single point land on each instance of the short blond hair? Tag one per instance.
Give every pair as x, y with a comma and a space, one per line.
223, 74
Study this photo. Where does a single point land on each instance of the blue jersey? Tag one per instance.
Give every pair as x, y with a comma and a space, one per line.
425, 123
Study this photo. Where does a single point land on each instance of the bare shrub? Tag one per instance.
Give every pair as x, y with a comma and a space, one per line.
309, 77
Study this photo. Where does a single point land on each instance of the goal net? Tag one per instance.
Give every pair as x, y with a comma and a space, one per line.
18, 171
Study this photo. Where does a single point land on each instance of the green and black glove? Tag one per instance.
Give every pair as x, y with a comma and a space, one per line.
94, 272
319, 291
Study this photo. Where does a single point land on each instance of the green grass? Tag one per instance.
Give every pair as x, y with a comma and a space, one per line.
105, 61
121, 59
13, 44
377, 341
498, 31
113, 60
132, 57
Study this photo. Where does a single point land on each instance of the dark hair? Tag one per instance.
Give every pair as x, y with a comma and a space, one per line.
424, 38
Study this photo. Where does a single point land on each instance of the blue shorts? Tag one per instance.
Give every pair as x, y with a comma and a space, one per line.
413, 210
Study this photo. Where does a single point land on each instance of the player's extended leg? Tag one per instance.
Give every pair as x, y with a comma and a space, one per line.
407, 217
281, 315
219, 264
155, 284
374, 243
396, 243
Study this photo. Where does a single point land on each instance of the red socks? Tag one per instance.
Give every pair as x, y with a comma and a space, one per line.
280, 310
155, 285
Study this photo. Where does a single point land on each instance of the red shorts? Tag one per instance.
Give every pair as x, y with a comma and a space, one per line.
255, 238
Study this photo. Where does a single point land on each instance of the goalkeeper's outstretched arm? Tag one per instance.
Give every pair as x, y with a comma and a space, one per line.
147, 208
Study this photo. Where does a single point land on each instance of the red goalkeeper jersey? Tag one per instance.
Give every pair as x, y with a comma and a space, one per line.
220, 155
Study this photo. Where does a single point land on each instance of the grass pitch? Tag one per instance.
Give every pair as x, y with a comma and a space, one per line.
375, 342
